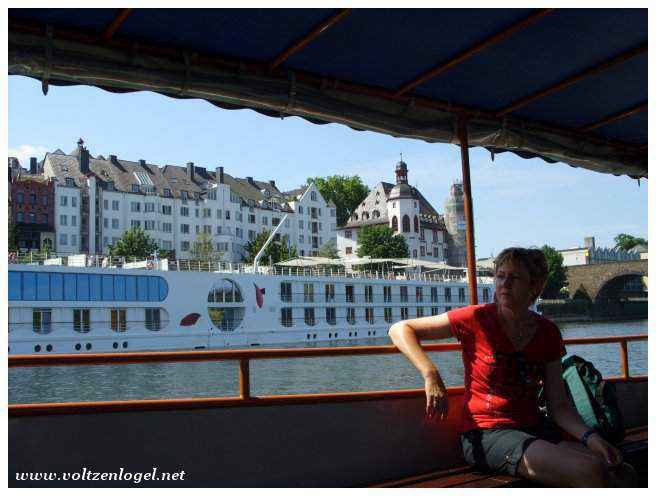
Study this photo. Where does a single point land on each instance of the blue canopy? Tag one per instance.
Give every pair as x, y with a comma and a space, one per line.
566, 85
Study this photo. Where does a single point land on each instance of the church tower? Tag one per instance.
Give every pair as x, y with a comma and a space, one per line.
454, 219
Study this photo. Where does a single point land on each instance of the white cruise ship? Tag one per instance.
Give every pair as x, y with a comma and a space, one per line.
77, 305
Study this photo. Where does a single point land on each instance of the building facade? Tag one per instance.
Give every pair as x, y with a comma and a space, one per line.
31, 211
97, 199
405, 210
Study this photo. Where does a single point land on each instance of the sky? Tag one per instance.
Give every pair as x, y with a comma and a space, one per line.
517, 202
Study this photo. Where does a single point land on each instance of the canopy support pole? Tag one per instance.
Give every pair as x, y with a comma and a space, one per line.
469, 209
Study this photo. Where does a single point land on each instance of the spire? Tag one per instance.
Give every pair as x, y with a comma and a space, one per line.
401, 172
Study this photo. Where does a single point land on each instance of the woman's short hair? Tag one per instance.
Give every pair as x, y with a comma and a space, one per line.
532, 259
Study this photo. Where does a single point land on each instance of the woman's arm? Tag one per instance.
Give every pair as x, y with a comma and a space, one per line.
566, 416
406, 335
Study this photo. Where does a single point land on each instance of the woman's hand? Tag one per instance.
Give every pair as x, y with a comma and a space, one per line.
437, 401
607, 451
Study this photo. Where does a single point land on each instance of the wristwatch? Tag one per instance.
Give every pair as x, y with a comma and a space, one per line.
586, 436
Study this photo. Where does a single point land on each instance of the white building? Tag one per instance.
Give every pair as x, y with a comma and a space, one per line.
590, 254
97, 199
404, 209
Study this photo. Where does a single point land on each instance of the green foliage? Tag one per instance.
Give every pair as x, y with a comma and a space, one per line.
346, 192
329, 249
626, 241
203, 248
557, 278
276, 251
381, 242
12, 237
134, 243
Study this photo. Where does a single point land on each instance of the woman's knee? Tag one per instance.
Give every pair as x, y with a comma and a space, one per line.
593, 472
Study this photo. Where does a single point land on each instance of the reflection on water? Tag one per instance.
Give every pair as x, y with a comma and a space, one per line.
302, 375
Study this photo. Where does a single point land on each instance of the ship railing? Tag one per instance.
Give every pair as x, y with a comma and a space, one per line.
115, 262
244, 357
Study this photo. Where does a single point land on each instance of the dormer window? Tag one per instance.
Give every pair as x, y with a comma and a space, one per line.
135, 188
110, 185
167, 192
184, 195
70, 181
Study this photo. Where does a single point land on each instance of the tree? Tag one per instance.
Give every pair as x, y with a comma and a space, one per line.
276, 251
381, 242
203, 248
346, 192
329, 249
626, 241
134, 243
12, 238
557, 277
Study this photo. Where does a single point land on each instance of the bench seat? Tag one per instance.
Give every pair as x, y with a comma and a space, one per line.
634, 449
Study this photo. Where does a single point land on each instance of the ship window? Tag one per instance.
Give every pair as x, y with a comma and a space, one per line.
330, 292
95, 290
29, 286
15, 283
369, 294
461, 295
486, 295
81, 320
42, 286
419, 294
42, 320
309, 316
434, 294
153, 322
53, 286
56, 287
308, 292
420, 312
286, 291
434, 311
350, 298
404, 313
108, 287
404, 293
224, 291
331, 315
70, 287
388, 315
286, 317
350, 315
369, 315
118, 319
226, 319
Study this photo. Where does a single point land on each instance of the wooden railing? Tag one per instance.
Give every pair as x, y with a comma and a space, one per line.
244, 357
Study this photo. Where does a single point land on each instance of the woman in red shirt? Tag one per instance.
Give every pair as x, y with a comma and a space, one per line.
508, 352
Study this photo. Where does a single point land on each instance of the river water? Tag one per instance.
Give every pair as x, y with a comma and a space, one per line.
288, 376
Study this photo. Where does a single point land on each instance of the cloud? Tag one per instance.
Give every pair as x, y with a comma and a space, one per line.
24, 152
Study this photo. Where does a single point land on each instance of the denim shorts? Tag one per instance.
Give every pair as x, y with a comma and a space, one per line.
501, 450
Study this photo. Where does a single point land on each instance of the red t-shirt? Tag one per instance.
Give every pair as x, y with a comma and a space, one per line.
500, 383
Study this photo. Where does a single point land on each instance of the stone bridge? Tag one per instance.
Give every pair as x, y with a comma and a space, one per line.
605, 278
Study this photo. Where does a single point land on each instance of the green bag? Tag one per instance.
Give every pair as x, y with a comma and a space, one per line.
594, 398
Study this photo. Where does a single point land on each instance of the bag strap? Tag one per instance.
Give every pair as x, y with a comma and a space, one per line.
579, 390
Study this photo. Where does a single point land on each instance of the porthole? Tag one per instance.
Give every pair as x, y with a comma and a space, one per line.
374, 333
330, 335
368, 333
37, 348
78, 346
336, 334
115, 345
308, 336
125, 344
314, 336
49, 347
350, 334
356, 333
88, 346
